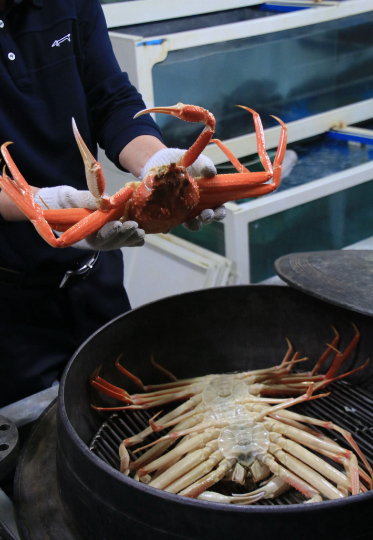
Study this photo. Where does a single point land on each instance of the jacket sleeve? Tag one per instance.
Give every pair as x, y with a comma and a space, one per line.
112, 99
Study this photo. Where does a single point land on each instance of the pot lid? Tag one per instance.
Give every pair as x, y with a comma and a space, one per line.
340, 277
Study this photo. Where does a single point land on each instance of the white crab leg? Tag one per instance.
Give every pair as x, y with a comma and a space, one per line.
312, 460
212, 478
200, 427
249, 498
189, 391
316, 498
188, 446
271, 489
159, 426
196, 474
329, 425
304, 438
302, 470
190, 461
154, 396
174, 414
309, 440
290, 478
171, 463
124, 459
160, 448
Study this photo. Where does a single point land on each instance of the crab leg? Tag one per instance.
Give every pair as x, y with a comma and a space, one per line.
18, 180
182, 449
248, 498
213, 478
181, 413
163, 370
154, 452
271, 489
182, 467
329, 425
96, 180
22, 197
290, 478
311, 476
216, 191
309, 440
94, 175
326, 354
341, 358
197, 473
109, 389
189, 113
311, 459
185, 382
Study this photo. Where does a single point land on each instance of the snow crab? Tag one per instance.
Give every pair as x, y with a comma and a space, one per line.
232, 427
168, 195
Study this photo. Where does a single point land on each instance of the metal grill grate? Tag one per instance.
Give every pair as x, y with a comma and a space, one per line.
347, 406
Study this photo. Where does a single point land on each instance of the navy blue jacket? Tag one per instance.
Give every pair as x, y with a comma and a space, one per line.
57, 63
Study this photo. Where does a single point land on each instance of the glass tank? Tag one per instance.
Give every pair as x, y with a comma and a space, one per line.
291, 74
331, 222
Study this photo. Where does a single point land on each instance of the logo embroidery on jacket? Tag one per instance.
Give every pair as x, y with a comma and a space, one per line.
58, 42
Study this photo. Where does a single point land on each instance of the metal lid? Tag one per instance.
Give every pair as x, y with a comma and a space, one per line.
342, 277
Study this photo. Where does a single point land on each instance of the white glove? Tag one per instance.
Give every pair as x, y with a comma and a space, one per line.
206, 217
112, 235
203, 166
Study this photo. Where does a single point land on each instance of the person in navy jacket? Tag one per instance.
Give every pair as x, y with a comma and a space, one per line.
57, 63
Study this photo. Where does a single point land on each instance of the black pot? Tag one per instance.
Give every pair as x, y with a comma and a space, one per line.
210, 331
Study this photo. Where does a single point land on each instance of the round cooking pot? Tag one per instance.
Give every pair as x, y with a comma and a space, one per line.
209, 331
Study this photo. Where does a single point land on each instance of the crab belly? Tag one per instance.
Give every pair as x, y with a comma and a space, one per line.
164, 199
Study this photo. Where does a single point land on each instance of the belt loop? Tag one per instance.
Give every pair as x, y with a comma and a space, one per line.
73, 276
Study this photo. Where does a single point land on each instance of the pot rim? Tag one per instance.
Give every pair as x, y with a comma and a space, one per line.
170, 497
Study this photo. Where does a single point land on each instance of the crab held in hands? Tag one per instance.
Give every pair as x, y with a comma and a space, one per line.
168, 195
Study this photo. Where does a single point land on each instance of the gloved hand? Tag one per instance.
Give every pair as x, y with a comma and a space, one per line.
203, 166
112, 235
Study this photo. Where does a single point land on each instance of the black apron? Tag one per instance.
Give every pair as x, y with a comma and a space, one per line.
41, 326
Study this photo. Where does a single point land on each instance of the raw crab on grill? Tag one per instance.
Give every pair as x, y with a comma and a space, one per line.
229, 428
167, 196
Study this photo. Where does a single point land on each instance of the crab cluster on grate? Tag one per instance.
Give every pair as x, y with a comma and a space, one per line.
348, 406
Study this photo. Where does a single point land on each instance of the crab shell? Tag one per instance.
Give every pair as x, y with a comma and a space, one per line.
165, 198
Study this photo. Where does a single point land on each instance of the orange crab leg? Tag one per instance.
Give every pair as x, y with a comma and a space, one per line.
326, 354
21, 193
232, 158
107, 388
95, 176
61, 220
189, 113
217, 190
341, 358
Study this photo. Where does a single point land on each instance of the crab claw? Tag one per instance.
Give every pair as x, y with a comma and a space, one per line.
93, 171
189, 113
